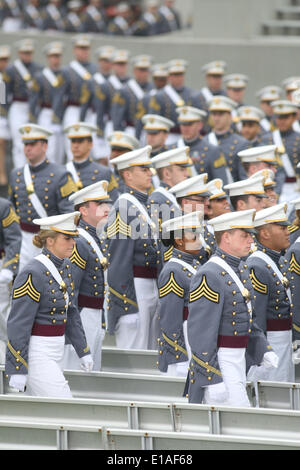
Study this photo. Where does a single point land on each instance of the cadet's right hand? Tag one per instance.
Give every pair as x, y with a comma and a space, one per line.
18, 381
270, 359
216, 393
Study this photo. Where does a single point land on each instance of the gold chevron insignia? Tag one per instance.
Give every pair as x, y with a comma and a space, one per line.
257, 285
204, 291
27, 289
171, 286
118, 226
292, 228
12, 217
77, 259
294, 266
168, 254
68, 188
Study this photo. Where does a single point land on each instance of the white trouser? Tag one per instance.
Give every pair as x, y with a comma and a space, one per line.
45, 376
10, 25
71, 116
92, 324
288, 192
4, 129
233, 368
172, 138
180, 369
281, 342
55, 151
28, 250
140, 330
5, 304
101, 148
130, 130
17, 117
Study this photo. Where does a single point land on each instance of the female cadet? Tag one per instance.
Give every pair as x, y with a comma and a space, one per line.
174, 285
43, 312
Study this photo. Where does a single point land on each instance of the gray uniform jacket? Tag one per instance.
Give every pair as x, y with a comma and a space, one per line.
94, 20
38, 300
42, 93
219, 317
292, 263
230, 144
97, 96
10, 236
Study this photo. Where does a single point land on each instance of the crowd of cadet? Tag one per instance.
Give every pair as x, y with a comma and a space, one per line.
140, 208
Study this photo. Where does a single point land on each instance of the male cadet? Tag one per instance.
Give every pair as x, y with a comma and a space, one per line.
70, 94
53, 16
156, 129
41, 95
229, 142
18, 79
149, 23
120, 25
125, 104
170, 18
272, 300
83, 169
214, 72
288, 144
235, 86
218, 200
247, 194
5, 136
290, 85
269, 185
94, 18
10, 245
295, 98
250, 119
88, 267
31, 16
172, 96
207, 158
39, 188
73, 20
120, 65
220, 298
10, 16
133, 257
266, 96
120, 143
192, 194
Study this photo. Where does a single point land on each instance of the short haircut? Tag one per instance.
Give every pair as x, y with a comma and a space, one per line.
234, 200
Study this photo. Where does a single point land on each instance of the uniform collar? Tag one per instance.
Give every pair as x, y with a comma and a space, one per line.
287, 133
41, 166
88, 228
142, 197
224, 135
274, 255
82, 164
193, 142
233, 261
187, 257
55, 260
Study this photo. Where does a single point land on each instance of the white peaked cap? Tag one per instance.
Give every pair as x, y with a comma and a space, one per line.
31, 132
178, 156
221, 103
253, 186
177, 66
265, 153
196, 185
155, 122
190, 114
272, 215
250, 113
284, 107
217, 67
139, 157
215, 187
296, 203
193, 220
80, 130
269, 93
93, 192
268, 175
64, 223
236, 80
122, 140
232, 220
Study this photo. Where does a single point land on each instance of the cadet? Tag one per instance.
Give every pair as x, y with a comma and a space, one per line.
150, 22
120, 143
119, 76
41, 95
18, 78
247, 194
295, 219
156, 129
170, 18
53, 16
39, 188
10, 245
290, 85
94, 18
250, 119
295, 98
83, 169
266, 96
73, 19
75, 77
31, 16
172, 96
214, 73
220, 298
10, 16
125, 111
218, 201
88, 265
207, 158
133, 257
105, 56
269, 185
5, 136
43, 312
272, 301
192, 195
120, 25
235, 85
287, 142
173, 287
230, 143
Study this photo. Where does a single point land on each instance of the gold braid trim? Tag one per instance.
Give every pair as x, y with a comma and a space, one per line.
120, 296
206, 366
17, 355
174, 345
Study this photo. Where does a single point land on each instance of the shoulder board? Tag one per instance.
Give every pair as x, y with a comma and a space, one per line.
294, 265
12, 217
204, 291
293, 228
77, 259
257, 285
68, 188
171, 286
118, 226
27, 289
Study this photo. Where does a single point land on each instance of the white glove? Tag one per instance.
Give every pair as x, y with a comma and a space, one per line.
296, 357
270, 359
18, 381
87, 363
215, 394
5, 276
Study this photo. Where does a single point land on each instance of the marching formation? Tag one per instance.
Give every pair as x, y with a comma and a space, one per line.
140, 208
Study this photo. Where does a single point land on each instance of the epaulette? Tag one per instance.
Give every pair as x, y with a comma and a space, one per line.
27, 289
171, 286
257, 285
293, 228
204, 291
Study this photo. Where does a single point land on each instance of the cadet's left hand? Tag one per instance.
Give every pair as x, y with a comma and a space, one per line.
87, 363
270, 359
